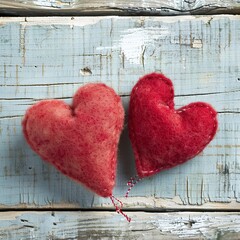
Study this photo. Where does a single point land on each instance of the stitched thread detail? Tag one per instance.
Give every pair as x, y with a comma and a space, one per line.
68, 172
183, 109
209, 138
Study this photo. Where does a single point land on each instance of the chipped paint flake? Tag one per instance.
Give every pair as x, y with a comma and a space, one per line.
197, 43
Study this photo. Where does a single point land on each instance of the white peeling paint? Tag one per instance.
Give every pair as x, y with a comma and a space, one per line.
133, 41
190, 226
44, 3
52, 3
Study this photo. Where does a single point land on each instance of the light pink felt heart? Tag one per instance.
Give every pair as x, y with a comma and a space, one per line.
163, 137
79, 140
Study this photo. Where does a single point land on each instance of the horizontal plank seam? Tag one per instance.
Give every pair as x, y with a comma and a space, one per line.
114, 210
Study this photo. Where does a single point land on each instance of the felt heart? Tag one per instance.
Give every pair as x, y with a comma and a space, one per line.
79, 140
161, 136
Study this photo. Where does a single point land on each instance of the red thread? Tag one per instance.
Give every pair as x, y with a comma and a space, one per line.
119, 209
131, 183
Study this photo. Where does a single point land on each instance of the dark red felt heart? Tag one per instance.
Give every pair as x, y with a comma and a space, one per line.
79, 140
161, 136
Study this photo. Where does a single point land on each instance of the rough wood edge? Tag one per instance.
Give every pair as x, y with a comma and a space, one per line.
83, 21
110, 225
159, 8
137, 204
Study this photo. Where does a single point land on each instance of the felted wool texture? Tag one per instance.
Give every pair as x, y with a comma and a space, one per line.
161, 136
79, 140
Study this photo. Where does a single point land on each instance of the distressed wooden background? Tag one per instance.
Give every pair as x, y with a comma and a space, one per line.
50, 57
118, 7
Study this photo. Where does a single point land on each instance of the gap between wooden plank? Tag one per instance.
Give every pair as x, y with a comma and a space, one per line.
113, 210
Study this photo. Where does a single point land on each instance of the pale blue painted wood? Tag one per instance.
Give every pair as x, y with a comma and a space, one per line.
108, 225
43, 59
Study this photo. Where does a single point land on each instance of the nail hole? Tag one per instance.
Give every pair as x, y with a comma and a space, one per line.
86, 71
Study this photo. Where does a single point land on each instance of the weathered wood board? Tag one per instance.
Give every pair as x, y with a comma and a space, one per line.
119, 7
43, 58
109, 225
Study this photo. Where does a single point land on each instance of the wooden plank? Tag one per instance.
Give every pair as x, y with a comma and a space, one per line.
119, 7
44, 58
109, 225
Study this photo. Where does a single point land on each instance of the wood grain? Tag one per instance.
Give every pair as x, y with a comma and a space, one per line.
43, 58
109, 225
117, 7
